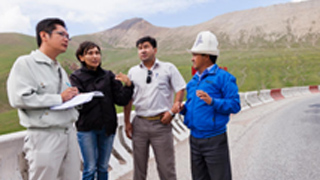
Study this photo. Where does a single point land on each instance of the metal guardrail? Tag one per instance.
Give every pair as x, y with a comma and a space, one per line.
13, 167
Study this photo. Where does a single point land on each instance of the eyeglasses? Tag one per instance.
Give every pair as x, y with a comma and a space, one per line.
149, 76
63, 34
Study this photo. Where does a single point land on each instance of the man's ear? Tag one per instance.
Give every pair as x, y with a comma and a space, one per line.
206, 56
44, 36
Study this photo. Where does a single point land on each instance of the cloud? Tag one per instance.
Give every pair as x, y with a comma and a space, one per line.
96, 13
294, 1
12, 20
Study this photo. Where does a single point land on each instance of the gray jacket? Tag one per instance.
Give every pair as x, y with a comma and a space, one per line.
33, 86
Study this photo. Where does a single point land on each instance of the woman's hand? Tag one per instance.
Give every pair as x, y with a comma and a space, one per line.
123, 78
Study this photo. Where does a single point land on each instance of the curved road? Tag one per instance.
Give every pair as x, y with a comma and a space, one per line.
275, 141
280, 140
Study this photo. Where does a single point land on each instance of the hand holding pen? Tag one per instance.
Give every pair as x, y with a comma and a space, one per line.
69, 93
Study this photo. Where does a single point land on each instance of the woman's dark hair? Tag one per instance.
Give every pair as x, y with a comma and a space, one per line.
47, 25
149, 39
84, 47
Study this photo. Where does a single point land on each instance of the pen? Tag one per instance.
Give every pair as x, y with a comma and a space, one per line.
68, 84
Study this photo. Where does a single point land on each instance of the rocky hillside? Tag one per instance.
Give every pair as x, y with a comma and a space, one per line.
283, 39
295, 22
286, 24
126, 33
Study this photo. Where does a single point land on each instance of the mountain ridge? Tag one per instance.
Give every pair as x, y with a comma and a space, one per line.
298, 20
121, 35
287, 22
266, 47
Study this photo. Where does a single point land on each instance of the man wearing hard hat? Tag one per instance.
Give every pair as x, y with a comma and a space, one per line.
212, 95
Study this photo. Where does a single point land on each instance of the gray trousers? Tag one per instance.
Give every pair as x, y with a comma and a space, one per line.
210, 158
52, 154
159, 136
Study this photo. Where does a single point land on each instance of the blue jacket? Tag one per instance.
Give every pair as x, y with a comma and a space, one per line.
210, 120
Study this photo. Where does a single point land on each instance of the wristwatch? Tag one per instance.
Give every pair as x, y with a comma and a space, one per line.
172, 114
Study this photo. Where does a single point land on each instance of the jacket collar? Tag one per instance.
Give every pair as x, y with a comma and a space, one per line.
210, 70
92, 72
42, 58
214, 69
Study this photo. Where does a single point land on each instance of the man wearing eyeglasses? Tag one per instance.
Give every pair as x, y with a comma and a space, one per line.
156, 85
36, 82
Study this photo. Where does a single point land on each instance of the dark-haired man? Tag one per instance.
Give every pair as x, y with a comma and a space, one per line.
212, 95
36, 82
155, 84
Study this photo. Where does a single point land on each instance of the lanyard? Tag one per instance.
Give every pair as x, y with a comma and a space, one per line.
60, 81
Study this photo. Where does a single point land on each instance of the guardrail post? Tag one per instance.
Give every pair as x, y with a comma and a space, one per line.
276, 94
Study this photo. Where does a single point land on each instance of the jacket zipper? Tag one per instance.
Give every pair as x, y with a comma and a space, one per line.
195, 91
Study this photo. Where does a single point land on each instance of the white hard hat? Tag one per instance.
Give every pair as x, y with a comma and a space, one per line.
206, 43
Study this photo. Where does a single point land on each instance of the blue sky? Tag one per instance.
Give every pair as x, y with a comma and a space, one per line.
85, 17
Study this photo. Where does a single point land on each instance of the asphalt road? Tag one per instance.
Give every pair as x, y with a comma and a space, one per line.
278, 141
275, 141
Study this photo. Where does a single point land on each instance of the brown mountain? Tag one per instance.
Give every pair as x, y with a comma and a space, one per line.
287, 23
296, 21
273, 30
126, 33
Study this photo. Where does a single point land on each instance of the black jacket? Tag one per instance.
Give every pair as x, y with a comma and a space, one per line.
100, 112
